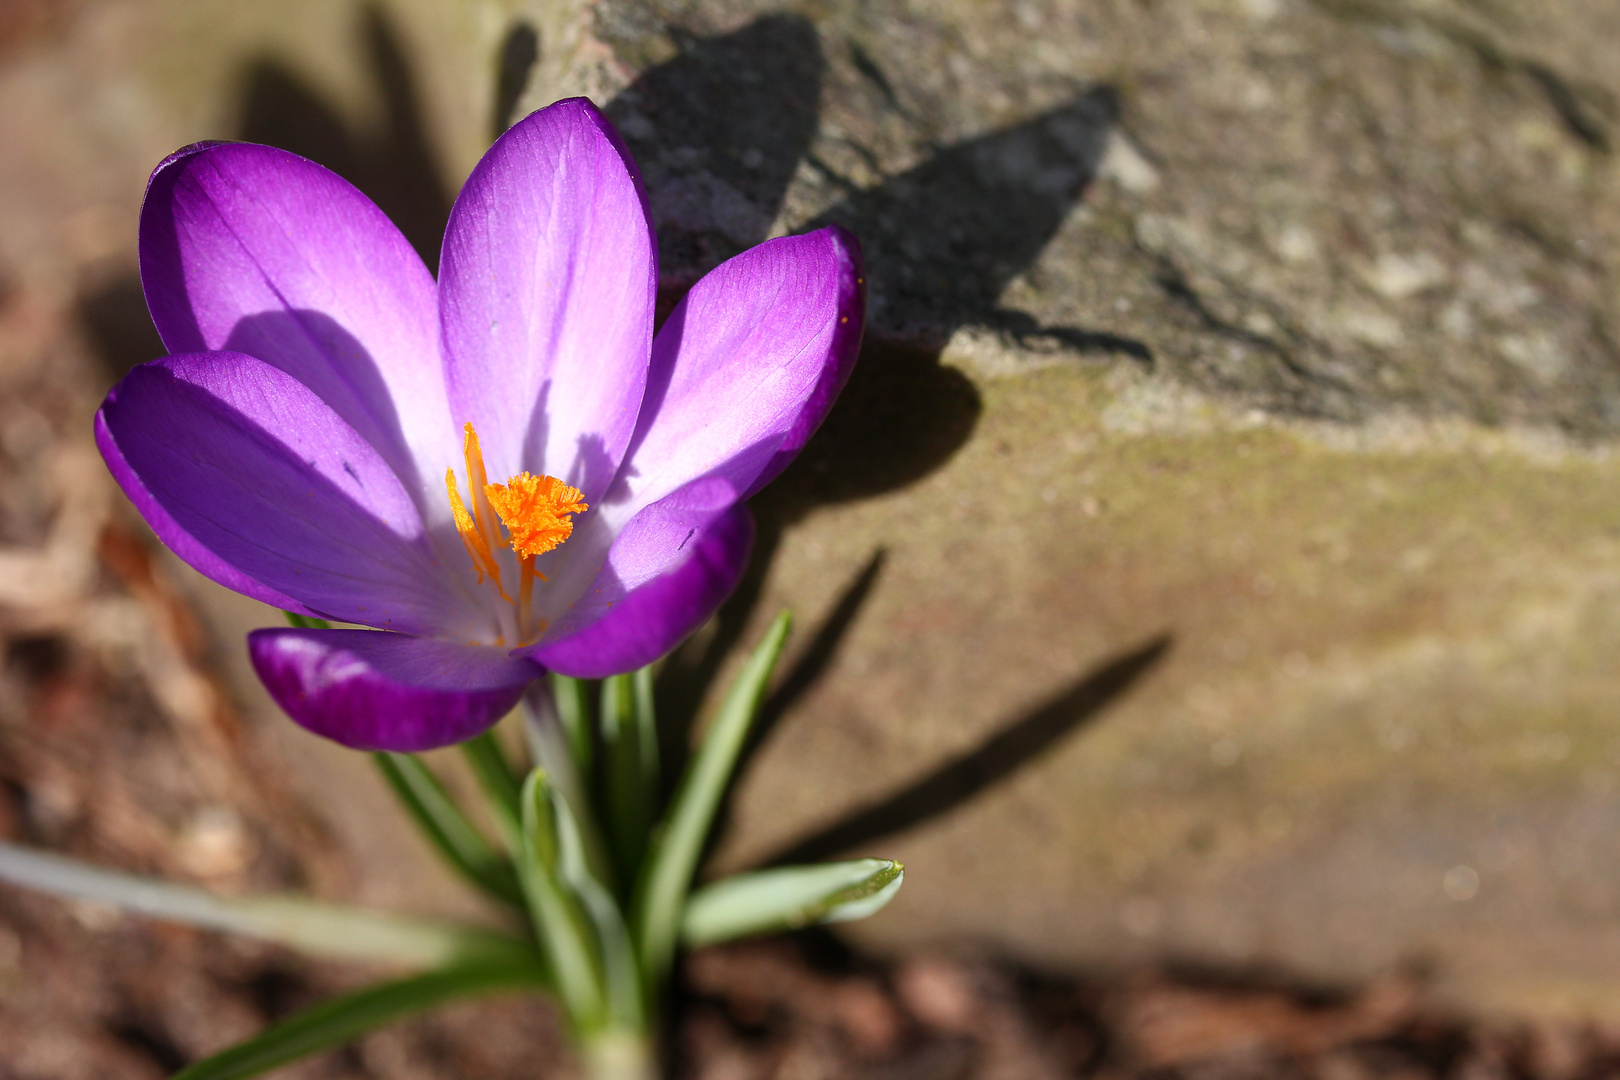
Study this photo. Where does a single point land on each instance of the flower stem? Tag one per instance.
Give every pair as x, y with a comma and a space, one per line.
500, 786
618, 1055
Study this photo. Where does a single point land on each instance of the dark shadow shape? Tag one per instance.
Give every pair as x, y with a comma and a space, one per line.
873, 74
150, 1041
812, 663
718, 133
1023, 327
965, 776
519, 52
116, 326
818, 654
682, 684
943, 240
901, 416
393, 164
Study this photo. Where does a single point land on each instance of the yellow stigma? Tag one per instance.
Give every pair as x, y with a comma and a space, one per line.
536, 511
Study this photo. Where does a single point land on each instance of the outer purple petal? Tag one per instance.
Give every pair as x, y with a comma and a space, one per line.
746, 368
845, 346
252, 480
546, 290
378, 691
653, 619
251, 249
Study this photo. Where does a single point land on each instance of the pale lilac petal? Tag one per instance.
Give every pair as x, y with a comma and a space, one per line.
546, 289
251, 479
650, 621
251, 249
380, 691
845, 346
745, 368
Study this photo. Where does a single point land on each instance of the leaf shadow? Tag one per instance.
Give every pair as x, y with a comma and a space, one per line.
962, 778
683, 683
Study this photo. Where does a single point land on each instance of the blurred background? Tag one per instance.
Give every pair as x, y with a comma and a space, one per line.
1209, 585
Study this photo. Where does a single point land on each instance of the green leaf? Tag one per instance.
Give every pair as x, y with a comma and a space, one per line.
559, 923
667, 875
575, 713
341, 1020
447, 828
321, 929
621, 981
629, 766
500, 786
788, 898
305, 622
550, 750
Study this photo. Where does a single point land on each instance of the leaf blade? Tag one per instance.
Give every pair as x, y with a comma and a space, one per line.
550, 749
573, 711
629, 767
789, 897
311, 926
621, 982
341, 1020
447, 829
500, 786
559, 923
673, 858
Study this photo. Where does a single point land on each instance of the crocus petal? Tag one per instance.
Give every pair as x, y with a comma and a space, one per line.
251, 249
653, 619
251, 479
381, 691
546, 289
745, 368
841, 353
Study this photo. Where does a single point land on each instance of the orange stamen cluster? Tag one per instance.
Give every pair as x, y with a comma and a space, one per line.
536, 510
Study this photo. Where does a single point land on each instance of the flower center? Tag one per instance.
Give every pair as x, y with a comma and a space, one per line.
537, 512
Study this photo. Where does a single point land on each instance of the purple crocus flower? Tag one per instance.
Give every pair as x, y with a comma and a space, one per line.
504, 471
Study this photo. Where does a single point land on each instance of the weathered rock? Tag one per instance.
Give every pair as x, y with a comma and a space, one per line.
1213, 558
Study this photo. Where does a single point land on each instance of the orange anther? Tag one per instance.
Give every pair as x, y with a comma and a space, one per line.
536, 511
